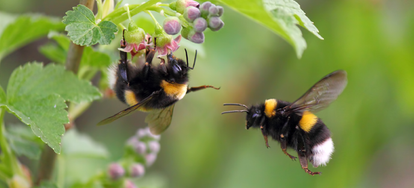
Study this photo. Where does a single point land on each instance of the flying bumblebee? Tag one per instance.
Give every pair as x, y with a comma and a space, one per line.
151, 89
294, 125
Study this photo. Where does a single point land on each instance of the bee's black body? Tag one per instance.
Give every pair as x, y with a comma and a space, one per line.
144, 81
294, 125
151, 88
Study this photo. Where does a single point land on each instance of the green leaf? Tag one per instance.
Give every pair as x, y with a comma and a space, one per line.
33, 79
83, 29
292, 8
45, 115
55, 53
280, 16
23, 142
6, 19
37, 94
25, 29
58, 53
76, 144
46, 184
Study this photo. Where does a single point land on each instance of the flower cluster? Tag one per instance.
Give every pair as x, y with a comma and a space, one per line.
197, 17
191, 19
141, 151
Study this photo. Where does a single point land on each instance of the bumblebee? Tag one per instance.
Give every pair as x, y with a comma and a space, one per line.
153, 89
295, 125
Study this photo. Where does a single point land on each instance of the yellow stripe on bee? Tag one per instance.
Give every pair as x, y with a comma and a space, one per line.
270, 107
130, 98
307, 121
177, 91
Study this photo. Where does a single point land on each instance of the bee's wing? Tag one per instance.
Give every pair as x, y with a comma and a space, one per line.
128, 110
159, 119
320, 95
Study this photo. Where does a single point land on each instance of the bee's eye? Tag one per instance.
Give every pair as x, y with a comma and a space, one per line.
256, 115
176, 68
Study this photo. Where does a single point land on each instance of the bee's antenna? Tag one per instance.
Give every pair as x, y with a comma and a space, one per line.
186, 57
235, 111
195, 58
235, 104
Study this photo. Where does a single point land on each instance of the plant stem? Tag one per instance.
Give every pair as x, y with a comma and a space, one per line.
9, 159
48, 158
46, 165
120, 14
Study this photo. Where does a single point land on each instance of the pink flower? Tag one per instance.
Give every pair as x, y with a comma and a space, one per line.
133, 48
166, 44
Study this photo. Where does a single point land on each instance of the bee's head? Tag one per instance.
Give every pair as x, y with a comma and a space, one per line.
254, 114
178, 69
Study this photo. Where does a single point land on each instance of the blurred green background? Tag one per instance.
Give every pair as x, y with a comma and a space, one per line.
371, 122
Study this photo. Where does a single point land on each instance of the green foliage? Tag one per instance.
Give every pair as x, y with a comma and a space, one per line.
18, 31
280, 16
23, 142
76, 144
46, 184
83, 29
3, 98
120, 14
58, 53
37, 96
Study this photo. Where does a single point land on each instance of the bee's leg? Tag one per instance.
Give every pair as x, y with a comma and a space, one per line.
123, 70
192, 89
302, 155
304, 163
123, 63
265, 137
162, 67
264, 133
148, 62
283, 142
283, 145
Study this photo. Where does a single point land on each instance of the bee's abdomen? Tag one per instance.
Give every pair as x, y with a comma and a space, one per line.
321, 153
321, 144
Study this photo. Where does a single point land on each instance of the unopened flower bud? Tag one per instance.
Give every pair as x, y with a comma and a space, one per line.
173, 6
19, 182
196, 37
115, 171
204, 8
185, 31
129, 184
137, 170
200, 24
140, 148
154, 146
142, 133
213, 10
181, 5
191, 13
172, 25
215, 23
220, 10
150, 159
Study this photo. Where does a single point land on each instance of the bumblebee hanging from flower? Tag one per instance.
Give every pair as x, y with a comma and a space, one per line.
151, 89
294, 125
